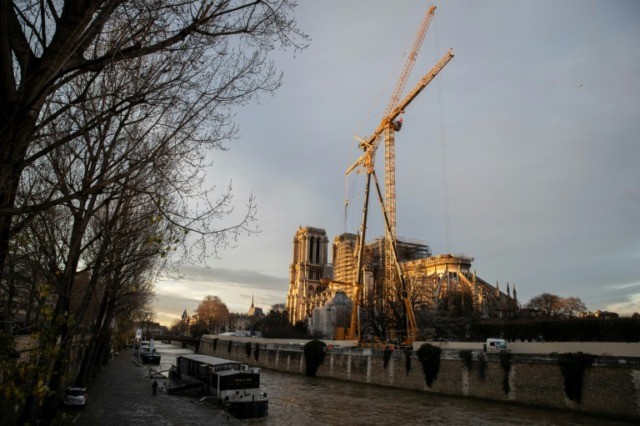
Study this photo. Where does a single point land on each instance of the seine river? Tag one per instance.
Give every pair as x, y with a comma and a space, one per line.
299, 400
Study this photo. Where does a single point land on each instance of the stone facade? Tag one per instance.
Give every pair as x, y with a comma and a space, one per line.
309, 266
533, 380
442, 282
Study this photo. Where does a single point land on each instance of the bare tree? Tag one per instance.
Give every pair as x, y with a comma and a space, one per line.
573, 306
47, 47
278, 307
109, 99
124, 258
549, 305
213, 313
389, 311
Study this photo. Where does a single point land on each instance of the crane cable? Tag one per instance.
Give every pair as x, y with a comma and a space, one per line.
348, 196
443, 146
348, 191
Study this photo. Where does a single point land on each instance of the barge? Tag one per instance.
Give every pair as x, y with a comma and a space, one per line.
234, 386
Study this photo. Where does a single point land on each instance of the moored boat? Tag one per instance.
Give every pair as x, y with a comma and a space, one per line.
234, 386
149, 357
147, 353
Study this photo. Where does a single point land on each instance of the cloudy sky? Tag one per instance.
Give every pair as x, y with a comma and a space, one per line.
533, 129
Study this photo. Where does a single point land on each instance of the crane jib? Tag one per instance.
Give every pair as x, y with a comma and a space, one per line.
370, 144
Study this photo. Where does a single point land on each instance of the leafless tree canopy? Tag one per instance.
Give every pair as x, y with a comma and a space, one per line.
108, 112
213, 313
164, 69
551, 305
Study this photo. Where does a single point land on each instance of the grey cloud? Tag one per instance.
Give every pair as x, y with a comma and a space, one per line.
241, 277
542, 173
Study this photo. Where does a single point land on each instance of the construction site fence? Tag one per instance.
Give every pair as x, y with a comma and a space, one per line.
595, 348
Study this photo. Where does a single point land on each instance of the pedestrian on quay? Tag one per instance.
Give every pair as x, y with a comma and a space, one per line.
154, 387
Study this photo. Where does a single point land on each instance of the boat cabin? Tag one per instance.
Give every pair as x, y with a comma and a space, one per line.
201, 367
234, 380
234, 385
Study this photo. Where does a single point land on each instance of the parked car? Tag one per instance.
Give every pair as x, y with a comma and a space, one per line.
75, 396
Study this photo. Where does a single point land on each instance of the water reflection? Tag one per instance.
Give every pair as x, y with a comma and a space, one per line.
298, 400
168, 354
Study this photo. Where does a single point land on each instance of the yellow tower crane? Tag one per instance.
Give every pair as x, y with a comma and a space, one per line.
387, 127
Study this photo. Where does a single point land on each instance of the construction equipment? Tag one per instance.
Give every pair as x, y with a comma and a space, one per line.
390, 124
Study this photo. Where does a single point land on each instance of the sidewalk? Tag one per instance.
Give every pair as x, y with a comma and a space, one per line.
121, 395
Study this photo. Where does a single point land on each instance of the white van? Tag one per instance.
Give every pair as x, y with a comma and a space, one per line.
495, 345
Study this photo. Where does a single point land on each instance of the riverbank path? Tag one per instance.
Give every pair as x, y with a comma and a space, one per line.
122, 394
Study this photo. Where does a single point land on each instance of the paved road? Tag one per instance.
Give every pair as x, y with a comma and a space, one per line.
121, 395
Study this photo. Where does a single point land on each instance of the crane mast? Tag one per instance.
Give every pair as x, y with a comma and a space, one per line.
387, 128
390, 160
390, 146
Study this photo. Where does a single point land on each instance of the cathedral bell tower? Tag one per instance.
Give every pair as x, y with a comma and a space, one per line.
308, 267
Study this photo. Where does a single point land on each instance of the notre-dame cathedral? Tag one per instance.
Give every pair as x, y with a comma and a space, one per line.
436, 283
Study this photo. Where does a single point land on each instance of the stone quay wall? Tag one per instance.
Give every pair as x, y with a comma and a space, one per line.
611, 386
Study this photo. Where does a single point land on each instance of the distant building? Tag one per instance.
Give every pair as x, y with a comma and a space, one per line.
183, 325
238, 322
245, 321
606, 315
150, 329
255, 312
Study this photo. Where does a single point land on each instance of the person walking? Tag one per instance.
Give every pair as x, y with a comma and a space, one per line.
154, 387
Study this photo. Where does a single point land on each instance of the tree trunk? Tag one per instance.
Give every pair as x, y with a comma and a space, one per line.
16, 129
102, 343
90, 354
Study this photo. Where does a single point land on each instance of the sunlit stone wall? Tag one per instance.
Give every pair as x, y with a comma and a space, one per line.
611, 387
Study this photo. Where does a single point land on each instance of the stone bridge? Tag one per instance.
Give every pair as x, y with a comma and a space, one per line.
185, 340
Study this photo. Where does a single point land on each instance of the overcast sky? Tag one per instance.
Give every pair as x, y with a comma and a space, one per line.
539, 117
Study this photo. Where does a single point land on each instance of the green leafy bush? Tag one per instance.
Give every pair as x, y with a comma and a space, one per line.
429, 357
